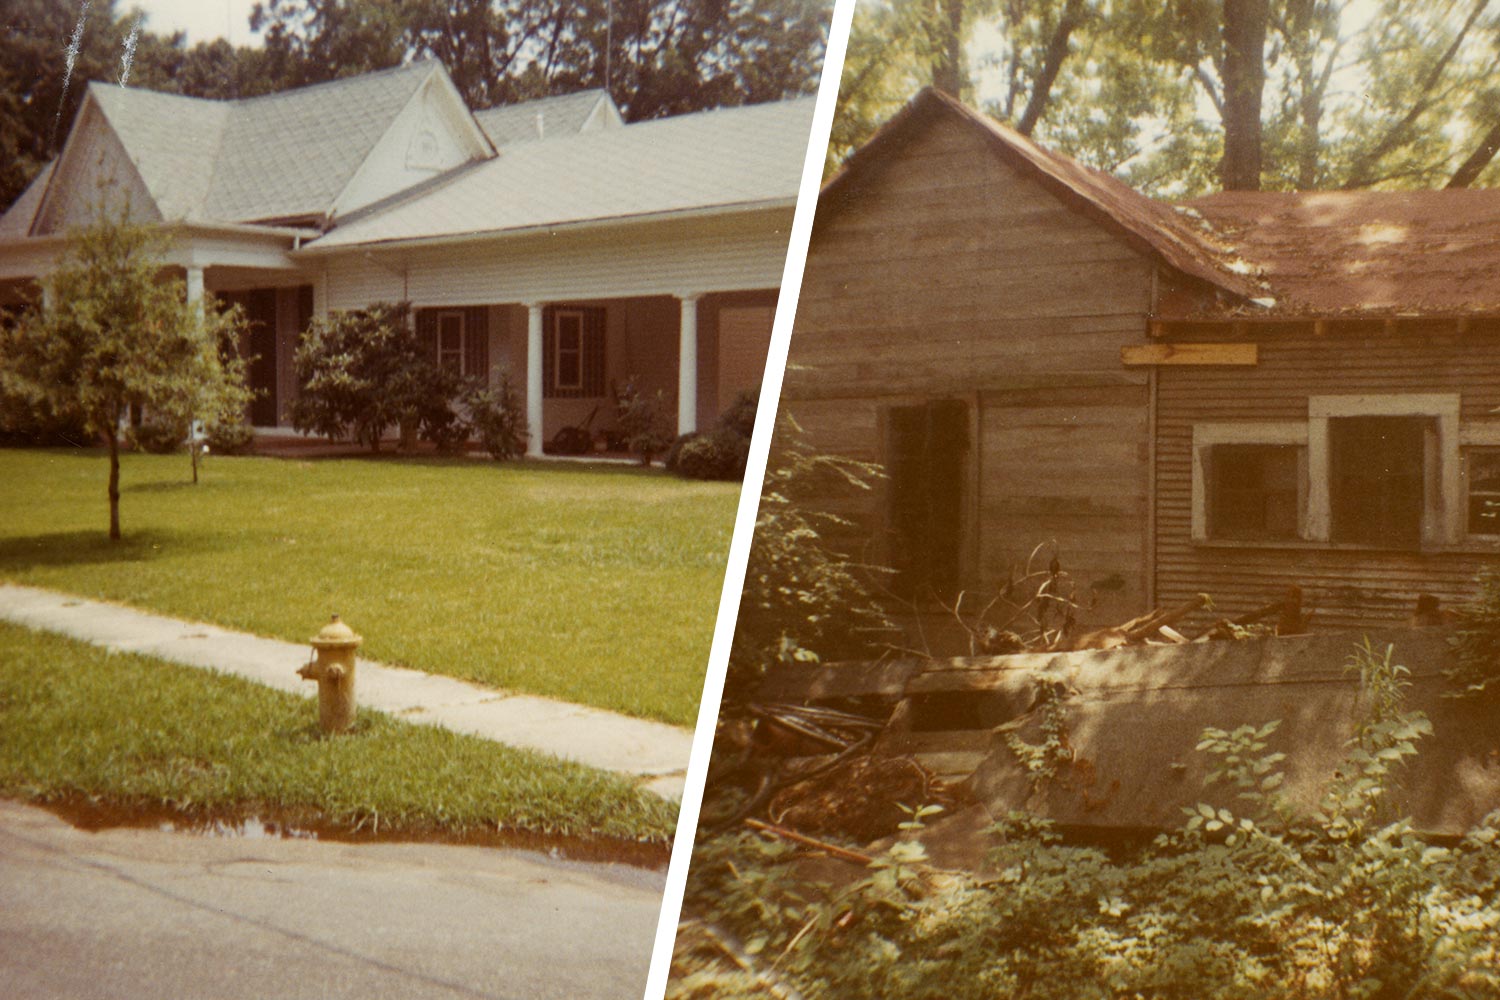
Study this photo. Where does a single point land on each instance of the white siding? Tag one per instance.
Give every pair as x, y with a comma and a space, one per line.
94, 161
720, 253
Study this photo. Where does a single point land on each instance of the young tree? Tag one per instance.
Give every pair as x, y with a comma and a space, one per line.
116, 336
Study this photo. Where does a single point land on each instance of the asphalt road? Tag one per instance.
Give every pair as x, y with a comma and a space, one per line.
150, 914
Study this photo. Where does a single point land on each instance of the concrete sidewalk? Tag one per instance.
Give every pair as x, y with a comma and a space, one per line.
653, 752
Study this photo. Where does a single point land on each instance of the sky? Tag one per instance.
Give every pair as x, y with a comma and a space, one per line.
203, 20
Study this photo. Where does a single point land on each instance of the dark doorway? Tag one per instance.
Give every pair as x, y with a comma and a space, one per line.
1377, 482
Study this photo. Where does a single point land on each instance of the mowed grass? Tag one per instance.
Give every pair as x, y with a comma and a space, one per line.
594, 584
122, 730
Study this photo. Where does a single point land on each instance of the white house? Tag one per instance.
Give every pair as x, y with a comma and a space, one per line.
548, 237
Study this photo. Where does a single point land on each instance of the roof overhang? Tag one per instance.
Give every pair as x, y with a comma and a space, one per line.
230, 244
317, 248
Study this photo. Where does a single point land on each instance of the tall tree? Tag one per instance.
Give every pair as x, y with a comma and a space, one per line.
1245, 23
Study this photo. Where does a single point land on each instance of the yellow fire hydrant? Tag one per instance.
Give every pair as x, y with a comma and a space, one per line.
333, 669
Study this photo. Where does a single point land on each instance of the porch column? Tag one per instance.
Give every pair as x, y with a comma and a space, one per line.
534, 379
195, 284
687, 367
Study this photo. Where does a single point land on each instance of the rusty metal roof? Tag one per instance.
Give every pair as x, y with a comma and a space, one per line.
1367, 253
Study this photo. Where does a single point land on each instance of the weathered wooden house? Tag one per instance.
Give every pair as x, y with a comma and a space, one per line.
1226, 396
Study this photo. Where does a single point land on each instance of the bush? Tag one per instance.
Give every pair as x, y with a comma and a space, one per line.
27, 423
643, 421
1478, 640
366, 370
226, 438
721, 453
157, 435
498, 417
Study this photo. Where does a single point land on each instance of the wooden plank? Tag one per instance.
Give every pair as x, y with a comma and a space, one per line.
1189, 354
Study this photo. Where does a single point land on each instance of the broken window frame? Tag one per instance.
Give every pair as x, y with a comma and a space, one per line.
1209, 438
1479, 498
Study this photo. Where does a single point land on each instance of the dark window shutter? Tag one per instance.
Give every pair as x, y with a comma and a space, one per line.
549, 342
427, 332
593, 360
593, 352
477, 341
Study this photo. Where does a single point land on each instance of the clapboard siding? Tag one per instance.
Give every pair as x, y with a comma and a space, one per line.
941, 273
737, 252
1346, 586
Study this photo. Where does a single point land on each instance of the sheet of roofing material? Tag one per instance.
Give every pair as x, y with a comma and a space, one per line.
713, 159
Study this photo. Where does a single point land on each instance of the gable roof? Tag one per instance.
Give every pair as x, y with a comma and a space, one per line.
1361, 253
566, 114
16, 222
748, 156
1149, 225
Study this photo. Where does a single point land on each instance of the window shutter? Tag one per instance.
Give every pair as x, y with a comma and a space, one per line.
549, 346
477, 341
593, 353
427, 333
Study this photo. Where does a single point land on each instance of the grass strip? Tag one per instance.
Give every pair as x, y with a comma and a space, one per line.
129, 730
598, 585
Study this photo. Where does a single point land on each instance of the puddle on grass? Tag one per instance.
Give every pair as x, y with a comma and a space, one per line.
93, 817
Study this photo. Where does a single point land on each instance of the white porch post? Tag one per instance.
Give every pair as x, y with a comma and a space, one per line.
534, 379
195, 284
687, 367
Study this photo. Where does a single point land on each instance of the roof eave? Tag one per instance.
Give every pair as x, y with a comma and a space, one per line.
314, 249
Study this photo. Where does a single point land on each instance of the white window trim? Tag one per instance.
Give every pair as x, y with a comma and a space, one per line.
1444, 507
1206, 436
556, 347
463, 339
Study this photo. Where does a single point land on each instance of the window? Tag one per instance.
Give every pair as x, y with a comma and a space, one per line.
1484, 491
1377, 479
573, 359
925, 458
450, 340
1253, 491
567, 347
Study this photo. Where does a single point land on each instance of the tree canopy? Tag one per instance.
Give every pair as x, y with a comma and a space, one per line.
1183, 98
657, 57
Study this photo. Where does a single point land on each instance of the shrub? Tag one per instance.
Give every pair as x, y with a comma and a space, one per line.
498, 417
366, 370
642, 420
230, 438
721, 453
158, 435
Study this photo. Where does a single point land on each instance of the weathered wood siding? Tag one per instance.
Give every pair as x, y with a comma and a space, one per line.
1345, 586
944, 274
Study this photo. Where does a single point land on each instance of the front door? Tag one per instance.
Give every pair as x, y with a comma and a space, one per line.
260, 310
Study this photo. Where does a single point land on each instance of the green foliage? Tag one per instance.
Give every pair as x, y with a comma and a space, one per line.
118, 337
1241, 902
158, 435
364, 371
1042, 760
644, 421
722, 452
230, 437
498, 417
803, 600
1477, 643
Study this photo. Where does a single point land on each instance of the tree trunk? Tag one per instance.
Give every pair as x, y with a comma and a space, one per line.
947, 65
1244, 84
114, 477
1057, 50
1469, 171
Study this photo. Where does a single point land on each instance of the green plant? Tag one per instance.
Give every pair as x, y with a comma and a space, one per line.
498, 416
1042, 760
230, 437
721, 453
643, 420
363, 371
1477, 643
117, 336
158, 435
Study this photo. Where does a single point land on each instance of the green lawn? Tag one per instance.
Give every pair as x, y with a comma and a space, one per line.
79, 722
595, 584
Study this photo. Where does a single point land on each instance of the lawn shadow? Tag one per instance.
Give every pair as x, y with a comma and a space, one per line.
162, 486
93, 548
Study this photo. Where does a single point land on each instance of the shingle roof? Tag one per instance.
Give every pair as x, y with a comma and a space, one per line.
292, 153
273, 157
1334, 253
562, 115
16, 222
749, 155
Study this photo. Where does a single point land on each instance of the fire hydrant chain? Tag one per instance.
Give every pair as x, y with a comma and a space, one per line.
332, 666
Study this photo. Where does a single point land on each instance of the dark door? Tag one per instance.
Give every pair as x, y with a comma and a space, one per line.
260, 310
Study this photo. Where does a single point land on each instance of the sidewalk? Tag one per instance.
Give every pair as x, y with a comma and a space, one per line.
654, 752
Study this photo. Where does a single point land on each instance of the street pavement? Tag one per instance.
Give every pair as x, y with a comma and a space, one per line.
147, 914
654, 753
